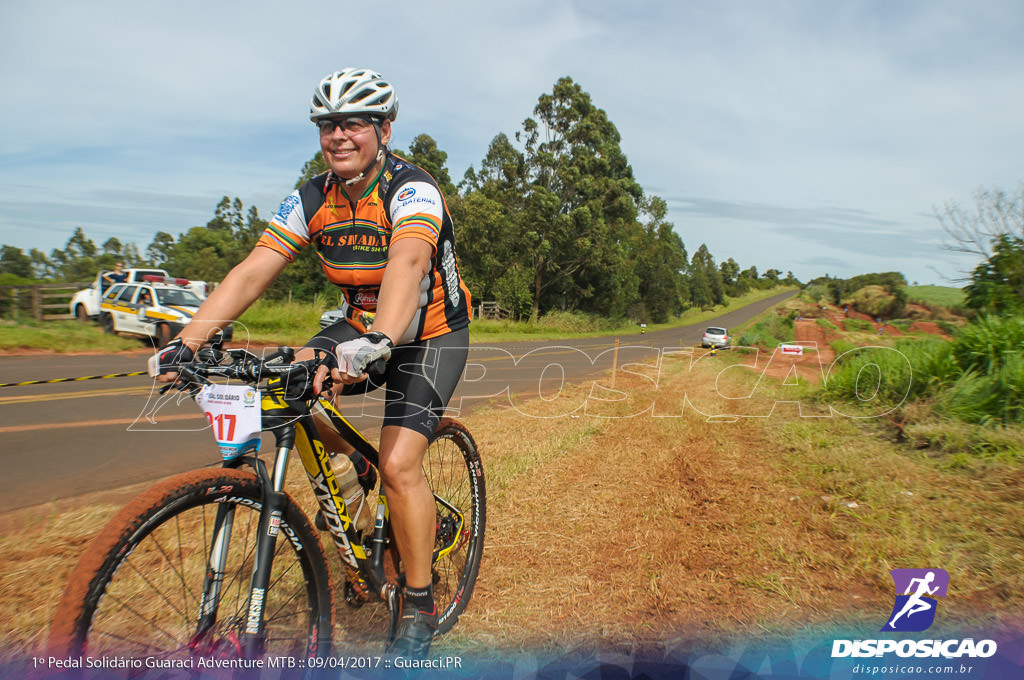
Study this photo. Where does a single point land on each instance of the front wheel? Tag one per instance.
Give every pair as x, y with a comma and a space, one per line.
456, 476
149, 584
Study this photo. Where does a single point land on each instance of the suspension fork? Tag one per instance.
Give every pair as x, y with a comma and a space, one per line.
254, 632
215, 570
252, 640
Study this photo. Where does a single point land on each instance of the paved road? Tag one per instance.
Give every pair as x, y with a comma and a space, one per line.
66, 439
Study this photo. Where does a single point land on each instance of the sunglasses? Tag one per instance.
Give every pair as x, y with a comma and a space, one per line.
350, 126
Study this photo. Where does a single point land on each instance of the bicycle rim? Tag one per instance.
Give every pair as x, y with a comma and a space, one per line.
455, 474
144, 599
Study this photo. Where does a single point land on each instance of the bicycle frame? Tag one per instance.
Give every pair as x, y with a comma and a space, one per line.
294, 426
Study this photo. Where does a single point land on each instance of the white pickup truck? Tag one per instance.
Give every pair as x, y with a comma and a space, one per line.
85, 304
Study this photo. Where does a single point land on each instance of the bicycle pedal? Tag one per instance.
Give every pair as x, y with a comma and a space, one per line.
319, 522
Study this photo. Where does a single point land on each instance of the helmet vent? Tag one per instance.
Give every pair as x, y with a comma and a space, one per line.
354, 91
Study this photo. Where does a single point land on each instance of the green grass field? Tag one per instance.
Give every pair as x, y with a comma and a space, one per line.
944, 296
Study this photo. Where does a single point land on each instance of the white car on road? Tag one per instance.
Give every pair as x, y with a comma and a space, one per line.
715, 337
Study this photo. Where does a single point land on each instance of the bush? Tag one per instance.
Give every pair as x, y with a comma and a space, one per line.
985, 399
989, 343
768, 332
890, 375
8, 279
576, 322
990, 352
815, 293
550, 325
841, 346
876, 301
977, 378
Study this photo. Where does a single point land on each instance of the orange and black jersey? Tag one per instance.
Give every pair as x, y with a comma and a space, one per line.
352, 239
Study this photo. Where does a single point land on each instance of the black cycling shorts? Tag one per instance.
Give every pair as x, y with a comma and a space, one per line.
420, 377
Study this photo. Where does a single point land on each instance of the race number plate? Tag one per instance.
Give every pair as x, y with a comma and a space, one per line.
235, 417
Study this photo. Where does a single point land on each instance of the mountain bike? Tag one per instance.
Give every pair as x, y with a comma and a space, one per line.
223, 563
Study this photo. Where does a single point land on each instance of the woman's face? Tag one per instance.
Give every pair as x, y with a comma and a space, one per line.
349, 143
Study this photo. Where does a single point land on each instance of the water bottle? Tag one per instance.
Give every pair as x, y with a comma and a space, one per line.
353, 493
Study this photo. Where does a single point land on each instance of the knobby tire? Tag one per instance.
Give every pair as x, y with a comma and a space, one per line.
454, 471
137, 589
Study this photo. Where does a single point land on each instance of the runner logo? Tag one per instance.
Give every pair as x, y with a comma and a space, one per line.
916, 593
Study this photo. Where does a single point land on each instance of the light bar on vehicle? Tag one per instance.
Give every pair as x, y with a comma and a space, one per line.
152, 278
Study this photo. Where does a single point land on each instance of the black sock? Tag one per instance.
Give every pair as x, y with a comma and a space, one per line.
420, 598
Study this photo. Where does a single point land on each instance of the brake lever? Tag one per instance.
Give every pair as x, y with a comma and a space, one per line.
210, 356
328, 361
283, 355
326, 385
187, 379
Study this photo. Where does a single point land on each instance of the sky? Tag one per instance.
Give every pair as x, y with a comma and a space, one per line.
812, 137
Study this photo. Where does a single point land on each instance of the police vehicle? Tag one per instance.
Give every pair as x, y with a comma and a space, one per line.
157, 308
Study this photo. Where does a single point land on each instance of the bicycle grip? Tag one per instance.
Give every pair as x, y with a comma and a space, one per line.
376, 367
377, 362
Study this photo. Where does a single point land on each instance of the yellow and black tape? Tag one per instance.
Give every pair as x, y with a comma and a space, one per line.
60, 380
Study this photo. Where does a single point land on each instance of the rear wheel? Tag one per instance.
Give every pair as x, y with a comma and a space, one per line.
107, 322
139, 589
456, 476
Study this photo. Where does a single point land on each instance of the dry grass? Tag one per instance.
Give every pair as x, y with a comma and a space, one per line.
643, 531
37, 559
652, 530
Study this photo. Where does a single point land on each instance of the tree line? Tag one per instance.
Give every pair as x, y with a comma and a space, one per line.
992, 230
551, 218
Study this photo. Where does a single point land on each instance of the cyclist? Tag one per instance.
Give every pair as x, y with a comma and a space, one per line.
384, 236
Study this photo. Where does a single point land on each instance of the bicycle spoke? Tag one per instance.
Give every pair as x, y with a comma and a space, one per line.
181, 559
149, 621
153, 587
231, 587
297, 591
141, 645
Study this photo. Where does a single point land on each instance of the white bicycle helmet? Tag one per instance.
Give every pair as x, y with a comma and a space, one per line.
354, 90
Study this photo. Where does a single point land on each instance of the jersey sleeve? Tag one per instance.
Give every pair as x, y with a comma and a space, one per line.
417, 211
288, 232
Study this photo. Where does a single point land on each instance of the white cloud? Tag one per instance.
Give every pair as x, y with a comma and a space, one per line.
864, 114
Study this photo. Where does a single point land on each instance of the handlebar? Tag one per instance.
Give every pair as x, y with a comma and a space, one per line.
296, 378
